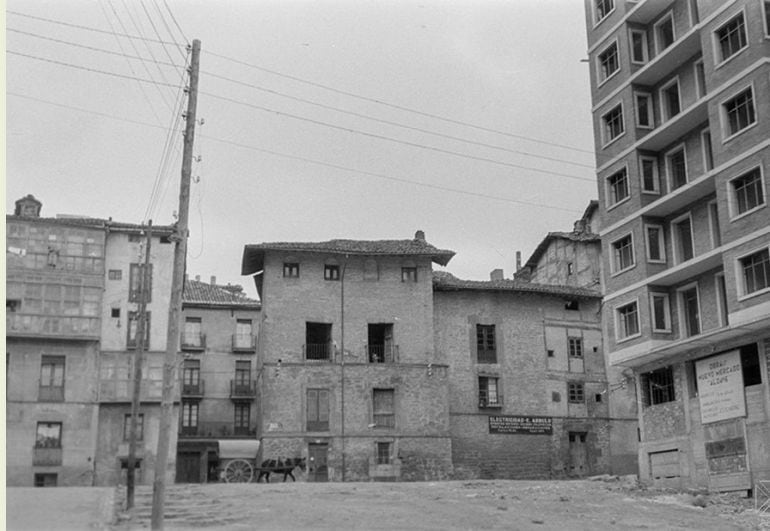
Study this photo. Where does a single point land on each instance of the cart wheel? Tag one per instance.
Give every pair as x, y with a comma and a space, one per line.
238, 471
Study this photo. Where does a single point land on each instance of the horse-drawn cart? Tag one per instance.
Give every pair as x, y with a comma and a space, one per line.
238, 460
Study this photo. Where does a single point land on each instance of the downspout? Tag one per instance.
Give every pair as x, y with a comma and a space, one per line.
342, 361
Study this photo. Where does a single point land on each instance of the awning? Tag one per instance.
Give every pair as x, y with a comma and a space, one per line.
238, 449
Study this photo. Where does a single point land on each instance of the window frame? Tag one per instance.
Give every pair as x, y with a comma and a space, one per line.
669, 167
610, 195
486, 337
684, 318
724, 114
44, 443
190, 414
707, 150
699, 67
379, 457
291, 270
314, 422
667, 389
614, 265
131, 343
134, 282
619, 318
669, 16
408, 274
52, 361
597, 19
655, 174
667, 329
644, 43
732, 202
576, 392
127, 427
241, 418
717, 41
665, 115
575, 347
484, 391
606, 140
766, 18
384, 414
332, 272
740, 274
720, 288
661, 243
115, 274
676, 243
650, 110
601, 76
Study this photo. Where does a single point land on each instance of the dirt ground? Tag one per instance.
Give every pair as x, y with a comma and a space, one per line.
493, 504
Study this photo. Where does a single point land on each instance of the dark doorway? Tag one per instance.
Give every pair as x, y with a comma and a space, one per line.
188, 467
318, 340
317, 469
380, 340
578, 461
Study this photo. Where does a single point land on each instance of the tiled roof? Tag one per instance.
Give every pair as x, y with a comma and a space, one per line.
443, 281
196, 292
92, 223
587, 237
253, 255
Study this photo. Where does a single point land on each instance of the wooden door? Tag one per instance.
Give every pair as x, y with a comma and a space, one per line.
578, 462
317, 469
188, 467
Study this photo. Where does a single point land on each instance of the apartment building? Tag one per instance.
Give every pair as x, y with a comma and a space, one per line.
348, 375
220, 326
681, 114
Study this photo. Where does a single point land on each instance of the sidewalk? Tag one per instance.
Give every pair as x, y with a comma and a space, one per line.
62, 508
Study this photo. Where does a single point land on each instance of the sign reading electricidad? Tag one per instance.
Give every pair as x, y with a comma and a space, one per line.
520, 424
720, 387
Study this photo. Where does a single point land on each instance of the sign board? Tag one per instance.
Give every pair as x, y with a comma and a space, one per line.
517, 424
720, 387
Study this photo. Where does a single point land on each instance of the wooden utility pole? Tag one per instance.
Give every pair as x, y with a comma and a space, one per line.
175, 304
144, 285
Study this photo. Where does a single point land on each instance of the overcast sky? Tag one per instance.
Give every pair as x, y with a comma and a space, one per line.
326, 119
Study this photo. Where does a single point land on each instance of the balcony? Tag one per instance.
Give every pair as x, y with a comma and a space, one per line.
688, 270
490, 400
217, 430
647, 10
53, 326
669, 60
47, 456
675, 128
193, 390
193, 341
243, 389
384, 420
47, 393
244, 343
318, 351
382, 353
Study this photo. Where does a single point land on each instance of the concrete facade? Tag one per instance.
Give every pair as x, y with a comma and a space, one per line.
681, 119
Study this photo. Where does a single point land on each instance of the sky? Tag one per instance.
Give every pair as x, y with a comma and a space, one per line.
468, 120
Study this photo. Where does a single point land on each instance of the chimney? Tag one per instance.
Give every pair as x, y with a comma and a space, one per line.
580, 226
197, 278
419, 235
213, 280
28, 207
497, 274
518, 261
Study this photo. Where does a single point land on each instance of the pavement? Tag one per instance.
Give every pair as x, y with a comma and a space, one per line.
62, 508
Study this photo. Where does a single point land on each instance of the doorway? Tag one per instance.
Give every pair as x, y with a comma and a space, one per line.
317, 468
578, 461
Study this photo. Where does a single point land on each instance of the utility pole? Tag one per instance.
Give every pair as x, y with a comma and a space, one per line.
175, 304
144, 285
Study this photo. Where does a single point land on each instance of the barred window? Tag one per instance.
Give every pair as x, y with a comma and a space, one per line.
576, 392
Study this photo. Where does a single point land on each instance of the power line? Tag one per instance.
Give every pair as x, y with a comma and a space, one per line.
397, 141
173, 18
168, 29
388, 122
311, 161
399, 107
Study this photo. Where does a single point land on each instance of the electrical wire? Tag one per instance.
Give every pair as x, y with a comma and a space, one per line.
168, 29
173, 18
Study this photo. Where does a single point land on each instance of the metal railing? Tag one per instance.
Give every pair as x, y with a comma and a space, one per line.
382, 353
47, 456
50, 393
318, 351
193, 389
217, 430
244, 343
384, 420
487, 399
193, 341
243, 388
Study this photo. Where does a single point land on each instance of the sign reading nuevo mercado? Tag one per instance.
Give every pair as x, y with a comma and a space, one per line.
519, 424
720, 387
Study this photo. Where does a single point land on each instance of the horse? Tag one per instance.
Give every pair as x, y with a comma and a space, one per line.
285, 467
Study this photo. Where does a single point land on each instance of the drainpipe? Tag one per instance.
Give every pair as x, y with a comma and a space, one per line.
342, 361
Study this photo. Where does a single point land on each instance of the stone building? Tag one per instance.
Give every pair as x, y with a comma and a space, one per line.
681, 112
218, 376
348, 375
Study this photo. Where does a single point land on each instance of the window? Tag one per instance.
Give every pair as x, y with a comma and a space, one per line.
570, 269
613, 124
192, 337
575, 347
408, 274
136, 271
291, 270
317, 410
191, 377
242, 376
48, 435
115, 313
755, 272
46, 480
133, 326
700, 78
603, 8
752, 374
318, 341
766, 5
670, 105
657, 386
690, 311
716, 236
331, 272
608, 61
681, 229
644, 118
115, 274
139, 427
622, 254
649, 172
638, 46
53, 257
676, 167
576, 393
384, 453
738, 113
189, 417
381, 347
244, 337
489, 392
572, 305
746, 192
51, 379
383, 408
617, 187
656, 249
664, 33
708, 153
627, 321
242, 423
661, 313
486, 351
731, 37
721, 290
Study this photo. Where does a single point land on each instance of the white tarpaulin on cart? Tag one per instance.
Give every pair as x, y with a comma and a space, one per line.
238, 449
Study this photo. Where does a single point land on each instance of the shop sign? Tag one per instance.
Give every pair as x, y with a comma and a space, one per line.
720, 387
